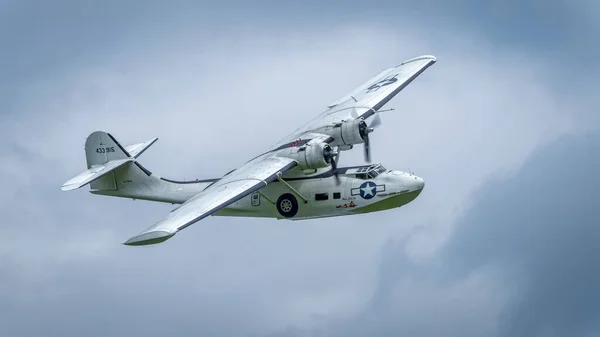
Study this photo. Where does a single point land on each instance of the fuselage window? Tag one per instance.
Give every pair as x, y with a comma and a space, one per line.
322, 196
362, 176
337, 195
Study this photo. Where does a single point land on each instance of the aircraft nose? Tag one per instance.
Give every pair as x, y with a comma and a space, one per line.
417, 183
409, 180
420, 183
413, 182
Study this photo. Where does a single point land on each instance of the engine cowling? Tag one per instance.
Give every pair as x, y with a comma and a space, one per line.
347, 133
311, 155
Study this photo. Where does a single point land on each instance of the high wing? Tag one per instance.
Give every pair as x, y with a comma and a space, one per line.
231, 188
368, 98
310, 139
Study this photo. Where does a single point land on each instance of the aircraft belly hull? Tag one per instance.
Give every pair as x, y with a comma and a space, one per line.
351, 200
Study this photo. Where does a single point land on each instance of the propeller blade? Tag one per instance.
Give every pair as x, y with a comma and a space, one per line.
335, 172
376, 121
367, 150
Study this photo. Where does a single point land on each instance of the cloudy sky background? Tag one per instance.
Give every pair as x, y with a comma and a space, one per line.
502, 242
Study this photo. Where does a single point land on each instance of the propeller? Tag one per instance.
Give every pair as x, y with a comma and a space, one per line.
376, 121
329, 156
364, 131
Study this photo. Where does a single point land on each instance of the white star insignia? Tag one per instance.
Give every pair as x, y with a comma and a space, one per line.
368, 191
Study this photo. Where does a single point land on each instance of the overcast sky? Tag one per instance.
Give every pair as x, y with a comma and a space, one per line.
503, 128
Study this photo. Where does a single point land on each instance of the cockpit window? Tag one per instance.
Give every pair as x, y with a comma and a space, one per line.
370, 172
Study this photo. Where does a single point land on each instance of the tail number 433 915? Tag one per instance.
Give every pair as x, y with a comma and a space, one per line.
105, 149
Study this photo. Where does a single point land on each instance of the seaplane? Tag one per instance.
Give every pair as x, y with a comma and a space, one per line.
296, 179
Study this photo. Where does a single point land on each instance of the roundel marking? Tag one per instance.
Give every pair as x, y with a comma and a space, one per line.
386, 81
368, 190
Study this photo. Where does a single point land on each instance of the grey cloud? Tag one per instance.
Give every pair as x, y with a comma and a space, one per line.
63, 248
60, 258
542, 230
524, 259
41, 38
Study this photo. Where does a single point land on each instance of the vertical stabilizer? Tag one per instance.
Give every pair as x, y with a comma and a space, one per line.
101, 147
114, 171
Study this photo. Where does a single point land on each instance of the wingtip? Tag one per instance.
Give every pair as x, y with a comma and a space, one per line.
149, 238
431, 58
69, 187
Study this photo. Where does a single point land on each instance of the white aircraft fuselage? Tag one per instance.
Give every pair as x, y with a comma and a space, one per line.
388, 189
295, 196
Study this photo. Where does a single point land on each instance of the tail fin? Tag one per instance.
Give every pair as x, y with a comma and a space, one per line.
114, 171
104, 155
101, 147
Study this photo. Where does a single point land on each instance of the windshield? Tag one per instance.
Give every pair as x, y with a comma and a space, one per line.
370, 171
376, 170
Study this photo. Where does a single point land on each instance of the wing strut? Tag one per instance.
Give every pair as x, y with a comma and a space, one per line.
291, 188
264, 196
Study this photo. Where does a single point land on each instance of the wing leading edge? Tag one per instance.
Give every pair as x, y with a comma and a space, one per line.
393, 78
368, 98
231, 188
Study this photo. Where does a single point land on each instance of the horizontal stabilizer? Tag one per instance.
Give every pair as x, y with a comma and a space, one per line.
93, 173
135, 150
